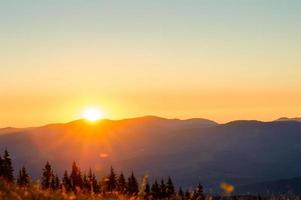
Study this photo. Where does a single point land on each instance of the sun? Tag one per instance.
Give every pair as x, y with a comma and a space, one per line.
93, 114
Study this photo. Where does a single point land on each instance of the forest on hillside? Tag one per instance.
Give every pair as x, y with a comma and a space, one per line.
82, 185
86, 186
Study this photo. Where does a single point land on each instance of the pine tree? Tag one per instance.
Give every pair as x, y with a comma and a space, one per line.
47, 176
76, 178
104, 185
187, 195
23, 178
1, 166
91, 183
132, 187
55, 183
121, 184
111, 182
163, 188
52, 184
170, 190
90, 179
181, 193
147, 190
198, 194
95, 185
86, 183
66, 182
8, 171
155, 190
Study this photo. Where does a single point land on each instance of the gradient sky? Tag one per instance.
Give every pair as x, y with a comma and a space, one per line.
217, 59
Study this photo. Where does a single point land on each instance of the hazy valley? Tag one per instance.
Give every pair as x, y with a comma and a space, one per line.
191, 151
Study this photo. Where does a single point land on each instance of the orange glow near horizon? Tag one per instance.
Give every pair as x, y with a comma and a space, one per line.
190, 59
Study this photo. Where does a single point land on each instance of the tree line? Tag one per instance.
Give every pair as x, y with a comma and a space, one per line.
76, 181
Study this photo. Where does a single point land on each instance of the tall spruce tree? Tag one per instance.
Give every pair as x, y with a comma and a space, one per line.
23, 177
187, 194
170, 190
90, 179
132, 186
163, 189
1, 166
55, 183
95, 185
92, 183
86, 183
7, 167
147, 190
198, 193
155, 190
104, 185
181, 193
47, 176
121, 184
66, 182
76, 178
111, 182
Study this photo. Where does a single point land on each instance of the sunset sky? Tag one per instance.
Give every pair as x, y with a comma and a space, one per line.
216, 59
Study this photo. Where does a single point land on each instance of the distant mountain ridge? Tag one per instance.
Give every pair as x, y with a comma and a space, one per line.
289, 119
191, 151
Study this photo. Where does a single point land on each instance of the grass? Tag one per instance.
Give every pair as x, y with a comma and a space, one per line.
10, 191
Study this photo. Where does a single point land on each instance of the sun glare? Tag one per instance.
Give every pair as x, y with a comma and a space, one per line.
93, 114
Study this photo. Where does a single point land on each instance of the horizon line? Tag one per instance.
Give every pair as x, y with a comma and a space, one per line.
154, 116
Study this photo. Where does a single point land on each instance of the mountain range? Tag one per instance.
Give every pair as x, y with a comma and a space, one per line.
190, 151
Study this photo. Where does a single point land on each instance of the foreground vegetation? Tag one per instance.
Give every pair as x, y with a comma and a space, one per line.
79, 185
82, 186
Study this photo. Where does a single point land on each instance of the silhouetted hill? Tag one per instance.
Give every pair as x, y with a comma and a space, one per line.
289, 119
191, 151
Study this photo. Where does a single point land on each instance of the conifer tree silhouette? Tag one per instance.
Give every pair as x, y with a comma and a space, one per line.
170, 189
90, 179
76, 178
55, 183
66, 182
198, 194
23, 178
1, 166
95, 185
187, 194
111, 182
7, 167
121, 184
47, 176
147, 190
132, 187
155, 190
86, 183
181, 193
163, 189
89, 182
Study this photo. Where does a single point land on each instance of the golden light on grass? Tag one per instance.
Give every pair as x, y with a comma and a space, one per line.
93, 114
